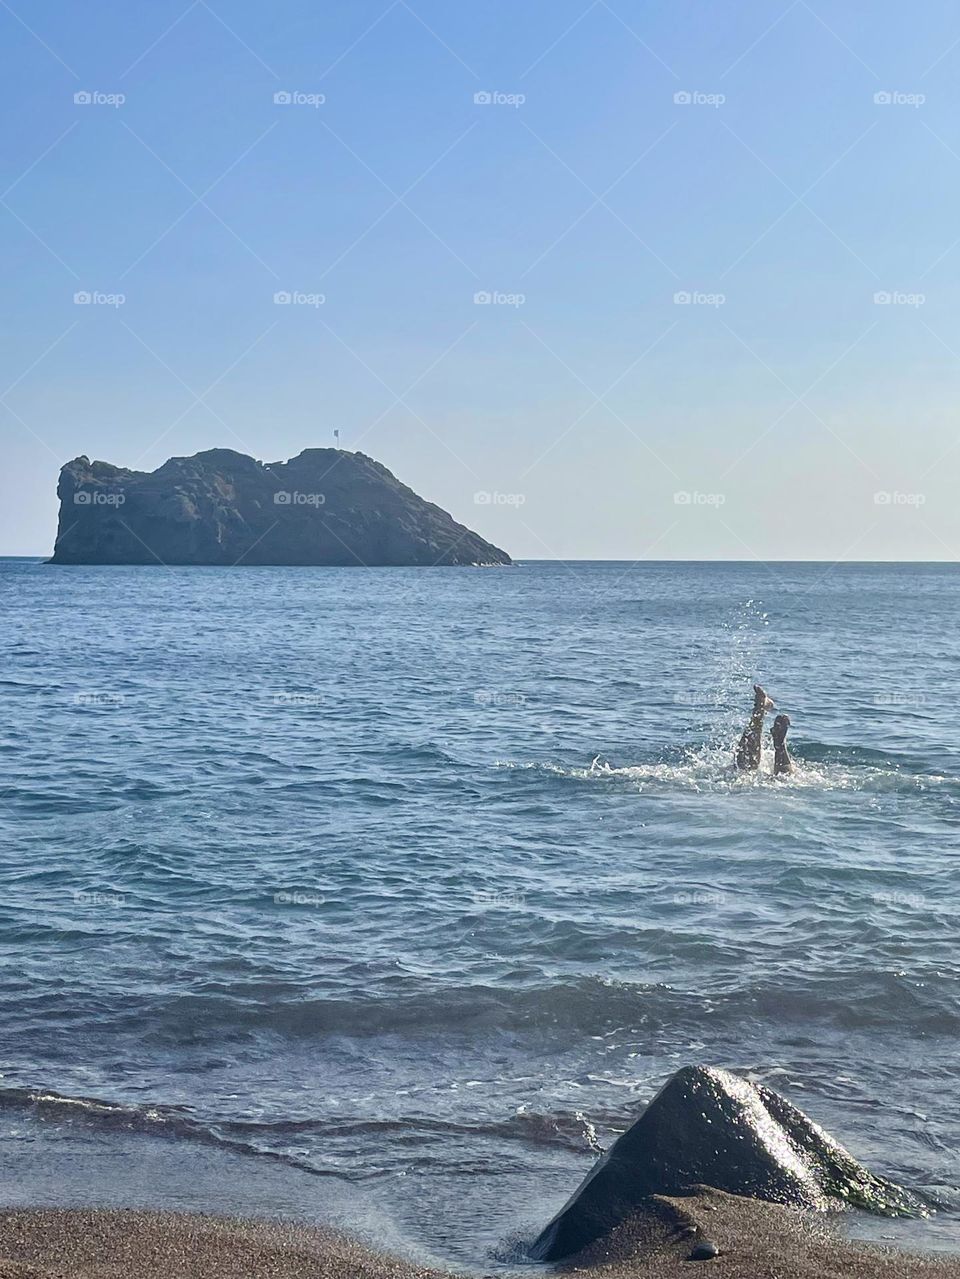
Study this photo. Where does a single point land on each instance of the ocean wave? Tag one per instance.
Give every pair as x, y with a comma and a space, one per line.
367, 1148
712, 769
581, 1006
414, 1136
171, 1122
561, 1130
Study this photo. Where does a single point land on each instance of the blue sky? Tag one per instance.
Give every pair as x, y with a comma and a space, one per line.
782, 197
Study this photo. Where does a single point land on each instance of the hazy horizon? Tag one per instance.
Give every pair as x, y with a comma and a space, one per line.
592, 256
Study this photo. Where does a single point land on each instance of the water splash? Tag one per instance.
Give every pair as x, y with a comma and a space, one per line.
711, 768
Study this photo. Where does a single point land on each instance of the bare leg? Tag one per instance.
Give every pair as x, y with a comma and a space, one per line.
748, 751
782, 763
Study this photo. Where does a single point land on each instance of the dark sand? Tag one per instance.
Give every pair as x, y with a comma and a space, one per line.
757, 1241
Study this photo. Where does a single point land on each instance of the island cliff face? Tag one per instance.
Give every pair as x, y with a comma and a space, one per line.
325, 507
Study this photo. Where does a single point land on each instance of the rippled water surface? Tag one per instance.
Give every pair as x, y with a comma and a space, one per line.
385, 896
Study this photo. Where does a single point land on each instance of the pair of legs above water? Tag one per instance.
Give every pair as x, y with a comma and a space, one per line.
749, 747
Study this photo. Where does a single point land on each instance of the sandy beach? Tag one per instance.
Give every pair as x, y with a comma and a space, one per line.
756, 1241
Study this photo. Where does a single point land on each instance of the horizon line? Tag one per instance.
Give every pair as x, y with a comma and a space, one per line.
524, 559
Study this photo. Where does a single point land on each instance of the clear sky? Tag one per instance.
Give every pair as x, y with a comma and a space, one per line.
777, 193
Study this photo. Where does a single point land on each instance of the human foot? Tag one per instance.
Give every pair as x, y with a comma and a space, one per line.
761, 701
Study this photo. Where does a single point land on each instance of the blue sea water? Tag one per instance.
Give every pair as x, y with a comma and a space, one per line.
387, 896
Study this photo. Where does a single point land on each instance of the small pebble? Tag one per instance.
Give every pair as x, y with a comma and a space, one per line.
705, 1251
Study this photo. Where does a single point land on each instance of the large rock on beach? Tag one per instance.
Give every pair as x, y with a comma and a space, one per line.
707, 1126
324, 507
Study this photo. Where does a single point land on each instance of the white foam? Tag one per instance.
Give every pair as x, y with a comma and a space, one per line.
711, 768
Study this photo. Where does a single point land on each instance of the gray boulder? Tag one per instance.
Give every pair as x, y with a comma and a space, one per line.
709, 1127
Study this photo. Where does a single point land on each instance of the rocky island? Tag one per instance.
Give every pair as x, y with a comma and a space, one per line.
324, 507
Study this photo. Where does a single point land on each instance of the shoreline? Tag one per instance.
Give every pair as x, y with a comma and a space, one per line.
756, 1240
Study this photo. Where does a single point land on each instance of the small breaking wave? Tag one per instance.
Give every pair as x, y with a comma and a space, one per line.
569, 1131
585, 1005
170, 1122
712, 769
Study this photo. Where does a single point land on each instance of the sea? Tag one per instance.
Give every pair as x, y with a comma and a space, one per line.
388, 898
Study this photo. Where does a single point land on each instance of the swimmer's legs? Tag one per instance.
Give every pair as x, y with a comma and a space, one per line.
748, 750
782, 763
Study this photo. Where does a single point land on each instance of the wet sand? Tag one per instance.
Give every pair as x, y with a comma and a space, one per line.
756, 1241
